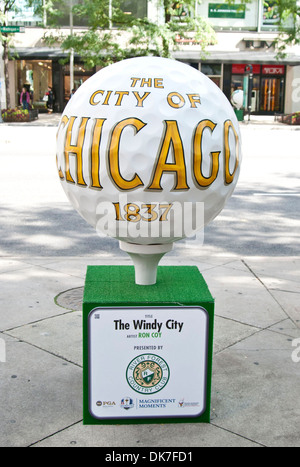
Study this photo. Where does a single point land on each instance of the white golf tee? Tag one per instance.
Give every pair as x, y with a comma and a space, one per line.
146, 259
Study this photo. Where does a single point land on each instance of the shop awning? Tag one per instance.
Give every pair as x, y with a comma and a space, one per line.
38, 53
254, 57
245, 56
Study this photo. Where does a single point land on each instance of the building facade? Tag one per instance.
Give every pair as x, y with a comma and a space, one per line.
245, 37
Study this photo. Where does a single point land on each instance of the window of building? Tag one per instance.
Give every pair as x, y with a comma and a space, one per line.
136, 8
80, 76
271, 17
239, 80
267, 86
36, 76
23, 15
214, 71
64, 14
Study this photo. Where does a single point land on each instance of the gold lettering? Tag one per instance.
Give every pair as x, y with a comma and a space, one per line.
121, 94
134, 81
106, 100
158, 83
229, 177
171, 138
198, 155
194, 99
146, 82
63, 123
95, 155
140, 99
92, 99
75, 150
173, 104
60, 173
114, 156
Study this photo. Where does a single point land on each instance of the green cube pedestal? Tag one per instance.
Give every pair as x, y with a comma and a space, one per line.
147, 349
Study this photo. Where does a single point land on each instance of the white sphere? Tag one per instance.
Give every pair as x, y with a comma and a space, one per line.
237, 99
141, 143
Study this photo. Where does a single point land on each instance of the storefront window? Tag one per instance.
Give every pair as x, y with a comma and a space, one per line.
80, 76
267, 86
213, 71
272, 88
36, 76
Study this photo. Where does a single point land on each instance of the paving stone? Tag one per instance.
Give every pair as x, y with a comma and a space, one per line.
256, 390
40, 394
28, 295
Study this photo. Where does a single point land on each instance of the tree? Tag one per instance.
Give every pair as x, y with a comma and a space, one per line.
180, 23
113, 35
287, 12
5, 7
289, 15
99, 44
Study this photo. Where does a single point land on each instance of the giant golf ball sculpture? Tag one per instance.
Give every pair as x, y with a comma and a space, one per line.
140, 146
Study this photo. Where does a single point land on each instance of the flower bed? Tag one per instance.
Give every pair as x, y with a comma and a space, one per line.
291, 119
19, 115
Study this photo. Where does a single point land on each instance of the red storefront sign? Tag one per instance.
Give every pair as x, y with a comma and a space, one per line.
239, 68
273, 70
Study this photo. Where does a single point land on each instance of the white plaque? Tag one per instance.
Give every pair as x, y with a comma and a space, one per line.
148, 362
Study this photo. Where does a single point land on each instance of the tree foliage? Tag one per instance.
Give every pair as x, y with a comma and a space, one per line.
180, 23
289, 14
5, 7
113, 35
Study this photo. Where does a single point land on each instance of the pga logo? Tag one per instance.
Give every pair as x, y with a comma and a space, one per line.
296, 352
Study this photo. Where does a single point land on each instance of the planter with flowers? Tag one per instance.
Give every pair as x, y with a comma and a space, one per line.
19, 115
291, 119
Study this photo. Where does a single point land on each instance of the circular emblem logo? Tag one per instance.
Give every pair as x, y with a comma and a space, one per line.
147, 374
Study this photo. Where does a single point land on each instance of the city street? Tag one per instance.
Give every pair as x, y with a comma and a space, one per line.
262, 217
249, 259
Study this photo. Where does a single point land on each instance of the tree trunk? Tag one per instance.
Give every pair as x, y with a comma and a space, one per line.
167, 11
6, 73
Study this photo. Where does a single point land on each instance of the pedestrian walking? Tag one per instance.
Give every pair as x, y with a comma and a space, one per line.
25, 99
50, 100
73, 92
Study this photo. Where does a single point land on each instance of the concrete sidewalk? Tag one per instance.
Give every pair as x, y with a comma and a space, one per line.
250, 260
255, 120
255, 390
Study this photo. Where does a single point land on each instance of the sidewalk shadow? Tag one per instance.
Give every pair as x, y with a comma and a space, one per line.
250, 224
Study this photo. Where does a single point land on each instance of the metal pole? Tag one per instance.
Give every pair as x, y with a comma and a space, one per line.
72, 50
260, 15
250, 94
44, 13
110, 13
249, 74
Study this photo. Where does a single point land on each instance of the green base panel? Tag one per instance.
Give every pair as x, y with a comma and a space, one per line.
114, 287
